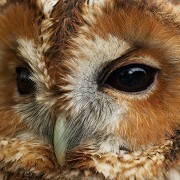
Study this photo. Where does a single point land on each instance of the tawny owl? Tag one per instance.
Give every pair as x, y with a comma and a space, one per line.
89, 89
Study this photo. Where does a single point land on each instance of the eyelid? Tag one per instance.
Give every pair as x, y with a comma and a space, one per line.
25, 85
115, 64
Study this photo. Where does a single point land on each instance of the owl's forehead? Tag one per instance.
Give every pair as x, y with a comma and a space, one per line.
96, 30
60, 22
110, 31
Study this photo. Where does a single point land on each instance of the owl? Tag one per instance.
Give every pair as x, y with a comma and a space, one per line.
89, 89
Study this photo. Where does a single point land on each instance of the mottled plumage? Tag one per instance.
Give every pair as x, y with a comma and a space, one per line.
67, 109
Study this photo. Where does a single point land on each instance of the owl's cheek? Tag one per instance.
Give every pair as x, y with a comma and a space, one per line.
11, 123
145, 123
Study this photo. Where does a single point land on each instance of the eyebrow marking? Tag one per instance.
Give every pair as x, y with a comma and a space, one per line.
111, 65
28, 50
47, 6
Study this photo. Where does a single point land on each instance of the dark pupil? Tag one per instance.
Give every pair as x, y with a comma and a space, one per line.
24, 84
132, 78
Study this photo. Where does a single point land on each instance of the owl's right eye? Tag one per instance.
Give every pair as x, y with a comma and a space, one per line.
25, 85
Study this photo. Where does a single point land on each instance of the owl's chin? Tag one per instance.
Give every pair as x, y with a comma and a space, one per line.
111, 144
111, 164
61, 142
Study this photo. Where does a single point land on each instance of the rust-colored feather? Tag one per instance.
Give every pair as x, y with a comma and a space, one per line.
69, 46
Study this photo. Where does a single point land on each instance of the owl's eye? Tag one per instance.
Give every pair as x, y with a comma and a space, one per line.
25, 85
132, 78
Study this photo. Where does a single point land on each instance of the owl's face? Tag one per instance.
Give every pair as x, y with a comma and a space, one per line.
105, 76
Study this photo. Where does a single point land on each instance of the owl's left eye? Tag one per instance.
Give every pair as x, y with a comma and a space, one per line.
132, 78
25, 85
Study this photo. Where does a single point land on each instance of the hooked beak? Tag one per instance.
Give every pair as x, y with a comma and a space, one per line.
60, 139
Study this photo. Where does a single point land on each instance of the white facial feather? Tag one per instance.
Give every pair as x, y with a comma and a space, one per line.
174, 174
2, 2
46, 32
29, 51
96, 2
47, 6
96, 53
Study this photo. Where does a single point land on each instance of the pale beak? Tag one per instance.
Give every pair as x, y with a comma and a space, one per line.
60, 139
